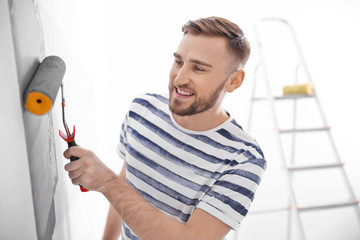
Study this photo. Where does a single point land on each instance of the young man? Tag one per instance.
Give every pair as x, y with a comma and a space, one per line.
190, 171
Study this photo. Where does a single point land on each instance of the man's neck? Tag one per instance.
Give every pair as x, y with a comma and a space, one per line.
202, 121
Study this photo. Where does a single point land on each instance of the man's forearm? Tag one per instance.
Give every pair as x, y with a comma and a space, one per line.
113, 225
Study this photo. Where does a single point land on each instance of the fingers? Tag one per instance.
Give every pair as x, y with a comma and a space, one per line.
74, 172
75, 168
81, 171
75, 151
72, 166
78, 173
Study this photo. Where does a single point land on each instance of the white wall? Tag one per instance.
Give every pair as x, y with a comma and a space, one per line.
115, 50
16, 202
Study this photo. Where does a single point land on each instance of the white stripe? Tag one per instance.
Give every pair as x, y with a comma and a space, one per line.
188, 192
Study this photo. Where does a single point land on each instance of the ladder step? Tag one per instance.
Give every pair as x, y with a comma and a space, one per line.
307, 208
271, 210
328, 206
312, 167
294, 96
285, 97
304, 130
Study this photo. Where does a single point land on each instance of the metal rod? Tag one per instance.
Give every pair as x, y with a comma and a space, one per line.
272, 210
285, 97
63, 111
304, 130
313, 167
329, 206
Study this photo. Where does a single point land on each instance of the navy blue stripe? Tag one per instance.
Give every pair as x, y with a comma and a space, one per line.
257, 161
213, 143
154, 110
160, 97
249, 175
163, 206
248, 154
124, 154
233, 204
161, 187
236, 124
165, 172
165, 154
177, 143
237, 188
214, 207
232, 137
122, 140
123, 130
128, 233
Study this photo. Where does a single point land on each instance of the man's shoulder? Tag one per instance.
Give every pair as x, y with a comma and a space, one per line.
236, 131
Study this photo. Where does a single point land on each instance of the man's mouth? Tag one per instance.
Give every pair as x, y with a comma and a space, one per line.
183, 92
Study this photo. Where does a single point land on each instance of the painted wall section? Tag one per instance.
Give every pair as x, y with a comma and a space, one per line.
37, 131
16, 204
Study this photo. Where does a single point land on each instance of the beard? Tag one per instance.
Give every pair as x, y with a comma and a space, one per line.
199, 105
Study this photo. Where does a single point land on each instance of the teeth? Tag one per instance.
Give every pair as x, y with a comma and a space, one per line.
184, 93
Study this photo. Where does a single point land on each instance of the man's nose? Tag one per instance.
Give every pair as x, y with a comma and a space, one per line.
182, 77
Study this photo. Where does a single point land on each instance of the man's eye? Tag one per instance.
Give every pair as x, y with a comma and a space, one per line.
198, 69
178, 62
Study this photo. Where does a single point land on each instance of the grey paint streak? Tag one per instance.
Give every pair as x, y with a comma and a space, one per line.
29, 50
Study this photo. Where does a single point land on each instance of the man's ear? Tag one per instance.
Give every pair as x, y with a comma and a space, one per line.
236, 79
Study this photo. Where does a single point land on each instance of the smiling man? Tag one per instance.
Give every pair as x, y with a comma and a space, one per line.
190, 171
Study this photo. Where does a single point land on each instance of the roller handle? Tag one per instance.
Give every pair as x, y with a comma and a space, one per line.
72, 158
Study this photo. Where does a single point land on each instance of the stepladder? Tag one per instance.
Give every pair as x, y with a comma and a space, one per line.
314, 175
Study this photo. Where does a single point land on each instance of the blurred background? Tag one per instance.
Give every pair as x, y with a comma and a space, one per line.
115, 50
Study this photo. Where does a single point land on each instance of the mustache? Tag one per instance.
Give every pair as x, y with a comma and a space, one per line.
182, 86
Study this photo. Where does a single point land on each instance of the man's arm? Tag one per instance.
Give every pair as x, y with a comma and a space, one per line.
113, 225
114, 222
145, 220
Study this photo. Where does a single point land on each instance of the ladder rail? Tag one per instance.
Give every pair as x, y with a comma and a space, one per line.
292, 198
293, 135
252, 97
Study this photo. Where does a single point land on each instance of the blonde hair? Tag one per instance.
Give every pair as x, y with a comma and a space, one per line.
219, 27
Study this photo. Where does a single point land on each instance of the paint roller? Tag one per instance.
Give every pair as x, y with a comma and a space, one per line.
44, 86
41, 93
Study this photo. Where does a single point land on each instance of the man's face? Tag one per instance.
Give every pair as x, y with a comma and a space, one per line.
197, 76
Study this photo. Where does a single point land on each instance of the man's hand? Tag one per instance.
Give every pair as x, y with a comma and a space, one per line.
88, 171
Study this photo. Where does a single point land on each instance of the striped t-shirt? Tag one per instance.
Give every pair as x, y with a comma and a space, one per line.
177, 170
